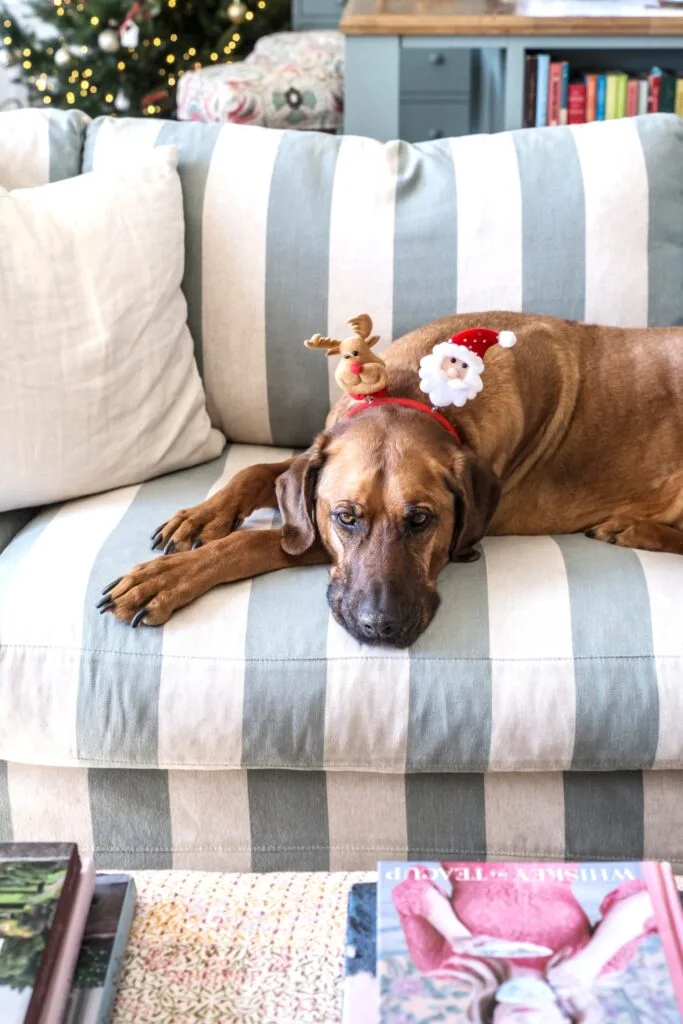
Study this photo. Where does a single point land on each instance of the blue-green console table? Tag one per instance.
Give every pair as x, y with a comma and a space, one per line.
421, 69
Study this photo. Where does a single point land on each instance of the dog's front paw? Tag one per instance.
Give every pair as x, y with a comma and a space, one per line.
148, 594
193, 527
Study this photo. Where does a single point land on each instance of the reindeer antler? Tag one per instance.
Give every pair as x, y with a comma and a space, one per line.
362, 325
330, 344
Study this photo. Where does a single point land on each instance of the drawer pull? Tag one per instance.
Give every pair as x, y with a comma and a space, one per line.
437, 59
435, 133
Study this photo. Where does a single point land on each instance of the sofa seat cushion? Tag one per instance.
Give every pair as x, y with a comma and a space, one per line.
547, 654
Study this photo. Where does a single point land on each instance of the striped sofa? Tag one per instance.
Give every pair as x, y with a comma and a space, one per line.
540, 715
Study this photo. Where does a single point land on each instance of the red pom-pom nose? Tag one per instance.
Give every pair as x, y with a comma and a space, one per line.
356, 367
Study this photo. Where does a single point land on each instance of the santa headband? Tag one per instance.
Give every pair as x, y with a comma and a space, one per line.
479, 340
450, 374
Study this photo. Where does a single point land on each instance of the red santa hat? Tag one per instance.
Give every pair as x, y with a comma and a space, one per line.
479, 340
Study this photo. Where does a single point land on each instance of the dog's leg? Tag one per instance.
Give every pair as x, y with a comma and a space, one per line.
219, 515
646, 534
152, 591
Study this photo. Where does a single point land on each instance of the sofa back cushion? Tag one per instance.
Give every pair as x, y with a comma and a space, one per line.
291, 233
38, 146
98, 384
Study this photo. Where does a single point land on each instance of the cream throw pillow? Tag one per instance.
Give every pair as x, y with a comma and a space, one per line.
98, 383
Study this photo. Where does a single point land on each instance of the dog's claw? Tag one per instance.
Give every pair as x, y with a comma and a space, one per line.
138, 617
110, 586
106, 607
170, 548
197, 544
590, 533
105, 601
612, 539
158, 530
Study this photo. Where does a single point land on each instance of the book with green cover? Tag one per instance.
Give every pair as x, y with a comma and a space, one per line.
611, 95
38, 886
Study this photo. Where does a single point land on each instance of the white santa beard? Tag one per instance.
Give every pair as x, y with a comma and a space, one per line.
443, 391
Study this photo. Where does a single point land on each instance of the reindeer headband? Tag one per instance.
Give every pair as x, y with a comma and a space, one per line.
450, 374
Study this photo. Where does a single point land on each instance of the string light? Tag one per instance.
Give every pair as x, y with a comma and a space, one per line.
170, 58
236, 37
7, 40
214, 56
47, 99
171, 80
27, 64
109, 98
121, 66
60, 12
87, 73
174, 38
156, 41
192, 52
249, 16
26, 52
7, 23
70, 97
94, 20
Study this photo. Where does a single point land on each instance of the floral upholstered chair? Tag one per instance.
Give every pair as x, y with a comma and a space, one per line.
290, 80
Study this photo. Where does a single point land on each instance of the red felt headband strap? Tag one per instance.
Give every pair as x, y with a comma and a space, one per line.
408, 403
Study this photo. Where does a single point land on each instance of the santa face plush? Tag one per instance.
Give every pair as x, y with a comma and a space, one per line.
451, 374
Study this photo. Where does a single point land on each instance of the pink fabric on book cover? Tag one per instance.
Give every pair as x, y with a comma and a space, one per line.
543, 912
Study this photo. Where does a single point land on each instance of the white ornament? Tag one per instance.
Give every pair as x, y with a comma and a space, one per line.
108, 40
62, 57
130, 36
237, 11
122, 103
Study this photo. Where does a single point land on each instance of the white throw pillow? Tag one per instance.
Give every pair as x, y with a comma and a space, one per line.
98, 382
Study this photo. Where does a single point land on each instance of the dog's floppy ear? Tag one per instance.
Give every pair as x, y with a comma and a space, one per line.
295, 490
477, 492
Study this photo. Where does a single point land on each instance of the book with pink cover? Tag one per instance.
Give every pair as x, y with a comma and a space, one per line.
543, 943
60, 983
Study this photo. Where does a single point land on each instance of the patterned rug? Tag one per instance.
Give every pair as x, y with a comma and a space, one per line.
235, 949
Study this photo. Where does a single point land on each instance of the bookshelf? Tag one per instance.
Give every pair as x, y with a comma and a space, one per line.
416, 54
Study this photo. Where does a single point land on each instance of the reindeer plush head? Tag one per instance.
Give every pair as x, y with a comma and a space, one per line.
360, 371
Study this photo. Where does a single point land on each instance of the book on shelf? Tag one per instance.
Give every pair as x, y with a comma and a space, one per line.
546, 942
549, 84
47, 895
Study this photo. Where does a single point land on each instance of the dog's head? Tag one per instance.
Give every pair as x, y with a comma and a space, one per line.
392, 496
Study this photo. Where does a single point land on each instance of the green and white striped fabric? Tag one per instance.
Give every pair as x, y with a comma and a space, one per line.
549, 654
271, 820
289, 233
39, 146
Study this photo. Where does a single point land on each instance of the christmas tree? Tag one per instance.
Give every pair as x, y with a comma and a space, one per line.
118, 56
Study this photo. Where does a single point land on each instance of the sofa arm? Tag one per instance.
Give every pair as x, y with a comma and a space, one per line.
12, 522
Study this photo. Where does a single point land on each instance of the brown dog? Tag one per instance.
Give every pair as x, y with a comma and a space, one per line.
579, 428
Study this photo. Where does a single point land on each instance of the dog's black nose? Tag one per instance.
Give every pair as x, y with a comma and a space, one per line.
376, 624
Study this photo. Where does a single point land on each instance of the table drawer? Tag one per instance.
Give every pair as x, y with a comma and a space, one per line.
422, 120
434, 70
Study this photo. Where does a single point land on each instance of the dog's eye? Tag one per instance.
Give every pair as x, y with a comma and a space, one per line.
464, 366
346, 519
454, 360
418, 520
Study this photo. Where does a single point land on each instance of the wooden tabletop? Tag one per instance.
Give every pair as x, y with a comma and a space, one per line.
518, 17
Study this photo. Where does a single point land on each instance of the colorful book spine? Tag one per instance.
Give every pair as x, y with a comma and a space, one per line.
576, 110
542, 75
465, 937
554, 93
600, 97
643, 95
667, 93
654, 83
611, 96
678, 109
632, 97
620, 98
530, 78
591, 96
564, 102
